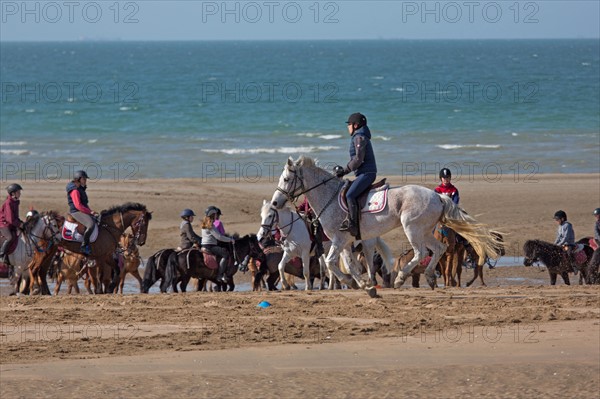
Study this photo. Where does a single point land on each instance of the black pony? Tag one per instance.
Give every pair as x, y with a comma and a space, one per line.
187, 264
556, 260
155, 270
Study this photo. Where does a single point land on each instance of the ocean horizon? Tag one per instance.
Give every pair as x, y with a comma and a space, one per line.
174, 109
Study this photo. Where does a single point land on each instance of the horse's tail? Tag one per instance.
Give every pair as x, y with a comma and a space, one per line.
149, 274
477, 234
386, 254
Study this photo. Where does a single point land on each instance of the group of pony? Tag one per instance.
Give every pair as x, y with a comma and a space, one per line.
430, 222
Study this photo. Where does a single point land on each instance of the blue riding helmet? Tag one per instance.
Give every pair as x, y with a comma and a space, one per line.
187, 213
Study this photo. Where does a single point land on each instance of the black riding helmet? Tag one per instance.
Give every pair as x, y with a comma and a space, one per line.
357, 118
445, 172
79, 174
560, 215
212, 210
11, 188
597, 211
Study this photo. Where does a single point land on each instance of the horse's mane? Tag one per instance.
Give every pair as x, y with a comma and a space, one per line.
306, 161
129, 206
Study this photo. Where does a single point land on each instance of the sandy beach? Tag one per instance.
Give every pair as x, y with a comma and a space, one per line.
518, 337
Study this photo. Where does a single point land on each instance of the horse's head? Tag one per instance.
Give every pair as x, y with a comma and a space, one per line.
48, 226
140, 227
127, 242
529, 253
290, 183
269, 217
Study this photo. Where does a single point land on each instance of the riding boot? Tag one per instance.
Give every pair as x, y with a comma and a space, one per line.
351, 222
4, 251
318, 232
85, 245
221, 272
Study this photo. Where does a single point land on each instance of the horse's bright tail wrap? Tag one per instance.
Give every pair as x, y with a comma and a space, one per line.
477, 234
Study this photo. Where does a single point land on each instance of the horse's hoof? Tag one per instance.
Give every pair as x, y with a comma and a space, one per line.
372, 291
431, 281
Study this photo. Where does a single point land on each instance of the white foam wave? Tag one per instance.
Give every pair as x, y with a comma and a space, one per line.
383, 138
15, 152
124, 108
92, 141
378, 77
460, 146
308, 134
30, 110
330, 136
68, 112
514, 134
280, 150
397, 89
13, 142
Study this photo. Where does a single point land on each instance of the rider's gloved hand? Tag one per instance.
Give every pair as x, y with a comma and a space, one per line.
339, 171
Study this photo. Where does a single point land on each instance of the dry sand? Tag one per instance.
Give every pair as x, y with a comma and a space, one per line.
516, 338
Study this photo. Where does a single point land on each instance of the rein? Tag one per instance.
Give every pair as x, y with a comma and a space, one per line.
294, 197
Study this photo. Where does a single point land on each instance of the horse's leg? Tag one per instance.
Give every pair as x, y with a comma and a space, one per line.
323, 271
308, 286
369, 252
416, 235
565, 277
281, 267
59, 280
137, 276
552, 278
416, 277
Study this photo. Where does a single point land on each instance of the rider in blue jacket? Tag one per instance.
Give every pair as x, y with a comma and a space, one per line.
362, 163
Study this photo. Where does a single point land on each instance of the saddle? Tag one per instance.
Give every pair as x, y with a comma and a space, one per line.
72, 230
210, 259
367, 201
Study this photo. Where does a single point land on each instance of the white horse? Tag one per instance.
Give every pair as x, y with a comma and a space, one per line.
417, 209
297, 242
27, 245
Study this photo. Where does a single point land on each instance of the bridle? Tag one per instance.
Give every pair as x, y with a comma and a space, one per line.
275, 223
291, 195
137, 228
48, 226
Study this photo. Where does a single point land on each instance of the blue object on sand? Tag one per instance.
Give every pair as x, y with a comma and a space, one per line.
264, 304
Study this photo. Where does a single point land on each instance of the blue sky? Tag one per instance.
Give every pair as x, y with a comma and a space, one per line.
268, 20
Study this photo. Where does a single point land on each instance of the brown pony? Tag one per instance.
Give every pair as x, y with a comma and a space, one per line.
273, 255
71, 267
474, 260
130, 259
113, 223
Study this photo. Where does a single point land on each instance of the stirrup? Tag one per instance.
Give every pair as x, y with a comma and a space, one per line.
345, 226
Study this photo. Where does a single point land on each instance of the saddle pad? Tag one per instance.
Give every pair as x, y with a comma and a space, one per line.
210, 261
376, 202
580, 257
70, 233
